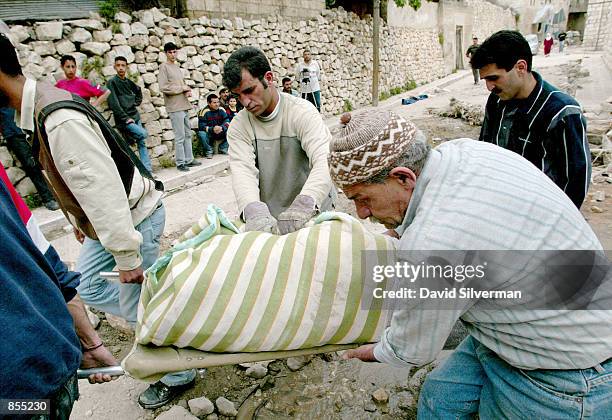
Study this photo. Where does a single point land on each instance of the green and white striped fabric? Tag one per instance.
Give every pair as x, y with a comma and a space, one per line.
219, 290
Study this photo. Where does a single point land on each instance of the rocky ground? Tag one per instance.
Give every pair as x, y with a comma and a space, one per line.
325, 386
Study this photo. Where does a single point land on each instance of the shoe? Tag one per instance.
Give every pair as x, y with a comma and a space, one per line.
160, 394
194, 163
52, 205
209, 156
182, 168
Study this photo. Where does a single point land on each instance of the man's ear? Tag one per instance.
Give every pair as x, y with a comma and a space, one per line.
269, 77
405, 176
521, 66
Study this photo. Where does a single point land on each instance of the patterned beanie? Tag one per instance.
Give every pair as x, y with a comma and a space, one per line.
367, 143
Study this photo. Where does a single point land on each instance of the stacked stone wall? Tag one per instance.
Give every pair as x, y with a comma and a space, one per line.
598, 28
490, 18
340, 41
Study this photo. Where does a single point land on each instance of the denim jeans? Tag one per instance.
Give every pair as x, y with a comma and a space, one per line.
208, 147
475, 380
110, 296
314, 98
138, 133
182, 137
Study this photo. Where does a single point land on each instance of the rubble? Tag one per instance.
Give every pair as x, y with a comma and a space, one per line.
226, 407
472, 114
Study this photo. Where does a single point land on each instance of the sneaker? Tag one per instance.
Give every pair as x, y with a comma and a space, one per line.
182, 168
160, 394
52, 205
194, 163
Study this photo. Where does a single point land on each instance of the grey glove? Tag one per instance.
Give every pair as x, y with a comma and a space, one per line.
258, 217
297, 215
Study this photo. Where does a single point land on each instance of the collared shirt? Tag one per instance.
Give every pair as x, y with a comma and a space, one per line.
549, 130
474, 196
91, 175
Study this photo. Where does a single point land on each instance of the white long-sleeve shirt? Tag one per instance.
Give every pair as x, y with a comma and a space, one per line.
83, 159
477, 196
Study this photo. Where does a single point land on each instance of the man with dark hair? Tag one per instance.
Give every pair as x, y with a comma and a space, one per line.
278, 153
82, 87
17, 143
126, 96
176, 94
223, 97
103, 189
212, 126
288, 88
308, 74
469, 53
529, 116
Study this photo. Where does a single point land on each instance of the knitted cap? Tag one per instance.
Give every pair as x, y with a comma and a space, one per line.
369, 142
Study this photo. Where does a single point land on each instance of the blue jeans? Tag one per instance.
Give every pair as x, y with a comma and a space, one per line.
208, 147
475, 380
118, 298
314, 98
139, 134
182, 137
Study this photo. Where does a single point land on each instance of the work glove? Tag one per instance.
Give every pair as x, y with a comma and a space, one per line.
297, 215
257, 217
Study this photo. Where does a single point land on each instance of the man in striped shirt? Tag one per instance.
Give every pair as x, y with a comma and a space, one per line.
525, 360
529, 116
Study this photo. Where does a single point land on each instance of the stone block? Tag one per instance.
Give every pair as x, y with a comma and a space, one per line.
103, 36
168, 135
15, 174
34, 71
43, 48
64, 47
139, 42
91, 24
176, 412
159, 150
19, 34
25, 187
49, 31
147, 19
153, 141
123, 17
5, 157
118, 39
125, 29
153, 128
139, 29
149, 78
97, 48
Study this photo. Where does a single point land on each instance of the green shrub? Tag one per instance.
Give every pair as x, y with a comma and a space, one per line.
166, 162
33, 201
348, 106
108, 9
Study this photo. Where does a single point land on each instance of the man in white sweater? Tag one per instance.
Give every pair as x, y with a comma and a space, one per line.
277, 147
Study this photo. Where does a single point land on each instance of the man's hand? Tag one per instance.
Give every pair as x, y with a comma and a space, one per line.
258, 217
78, 235
363, 353
129, 121
392, 233
297, 215
98, 357
217, 129
132, 276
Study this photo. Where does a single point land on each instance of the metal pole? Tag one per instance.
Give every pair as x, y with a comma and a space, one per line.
376, 52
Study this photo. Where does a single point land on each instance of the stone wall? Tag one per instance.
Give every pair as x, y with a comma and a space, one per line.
489, 18
598, 28
340, 41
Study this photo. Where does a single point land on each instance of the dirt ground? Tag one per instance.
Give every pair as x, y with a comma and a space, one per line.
325, 387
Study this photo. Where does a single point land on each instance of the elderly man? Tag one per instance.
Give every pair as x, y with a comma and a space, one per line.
277, 149
469, 195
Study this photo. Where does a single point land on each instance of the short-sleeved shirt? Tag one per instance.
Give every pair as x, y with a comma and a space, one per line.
81, 87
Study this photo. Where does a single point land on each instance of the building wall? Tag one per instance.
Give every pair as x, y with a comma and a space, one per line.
598, 28
406, 17
292, 9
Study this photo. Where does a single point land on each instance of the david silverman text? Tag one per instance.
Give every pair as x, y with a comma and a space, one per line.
461, 293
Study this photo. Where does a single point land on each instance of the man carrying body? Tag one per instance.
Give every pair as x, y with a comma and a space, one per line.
116, 210
529, 116
126, 96
466, 196
288, 88
176, 93
278, 149
469, 53
212, 126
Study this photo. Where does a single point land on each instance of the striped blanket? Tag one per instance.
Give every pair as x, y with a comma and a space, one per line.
219, 290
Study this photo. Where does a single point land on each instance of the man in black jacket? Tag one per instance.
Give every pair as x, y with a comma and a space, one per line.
126, 96
529, 116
